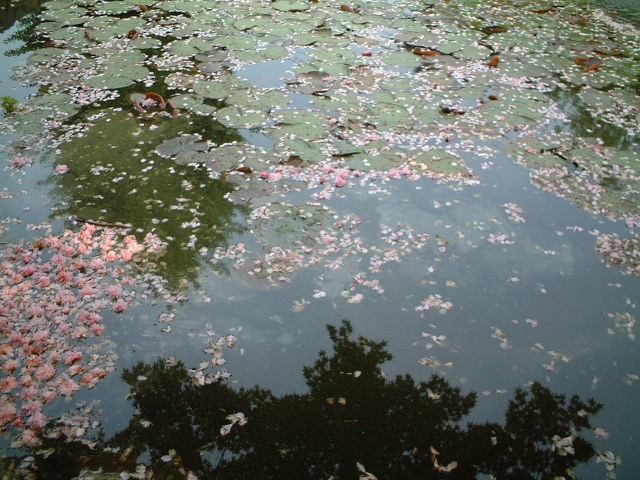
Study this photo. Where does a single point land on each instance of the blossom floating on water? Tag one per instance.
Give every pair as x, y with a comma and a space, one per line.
61, 169
563, 446
52, 295
236, 419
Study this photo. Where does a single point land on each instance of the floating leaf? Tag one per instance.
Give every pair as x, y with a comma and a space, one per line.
194, 103
221, 87
236, 42
240, 117
233, 156
291, 226
307, 152
119, 76
181, 144
290, 5
304, 123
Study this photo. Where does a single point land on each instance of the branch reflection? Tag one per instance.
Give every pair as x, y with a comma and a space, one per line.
352, 423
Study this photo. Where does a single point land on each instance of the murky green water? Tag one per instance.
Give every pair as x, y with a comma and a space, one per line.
321, 169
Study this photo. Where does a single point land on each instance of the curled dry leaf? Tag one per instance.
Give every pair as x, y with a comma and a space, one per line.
348, 8
590, 63
425, 52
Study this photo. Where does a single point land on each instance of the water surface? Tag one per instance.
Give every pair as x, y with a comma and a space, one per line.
315, 174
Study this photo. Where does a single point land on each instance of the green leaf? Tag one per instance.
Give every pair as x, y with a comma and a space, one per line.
181, 144
290, 5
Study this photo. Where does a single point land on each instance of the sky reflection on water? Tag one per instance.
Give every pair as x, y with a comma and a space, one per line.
529, 299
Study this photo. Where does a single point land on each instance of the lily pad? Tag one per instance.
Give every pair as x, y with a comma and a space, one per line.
114, 7
379, 160
259, 98
290, 5
401, 58
307, 124
290, 226
236, 42
226, 158
144, 43
220, 88
248, 23
438, 162
179, 6
46, 54
184, 143
297, 148
239, 117
115, 78
189, 47
195, 104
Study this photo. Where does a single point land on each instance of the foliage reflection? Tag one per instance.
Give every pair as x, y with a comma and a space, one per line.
14, 10
115, 177
352, 421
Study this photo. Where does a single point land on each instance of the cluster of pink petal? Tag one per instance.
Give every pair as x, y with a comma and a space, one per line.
436, 302
52, 295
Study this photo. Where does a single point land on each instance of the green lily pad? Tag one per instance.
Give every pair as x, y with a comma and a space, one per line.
117, 59
305, 39
259, 98
46, 54
339, 56
179, 6
115, 77
191, 157
240, 117
144, 43
290, 5
226, 158
194, 103
30, 123
296, 148
114, 7
273, 30
236, 42
181, 144
291, 226
390, 117
336, 101
179, 80
537, 153
189, 47
220, 88
66, 16
307, 124
378, 160
437, 161
401, 58
596, 99
247, 23
68, 34
219, 55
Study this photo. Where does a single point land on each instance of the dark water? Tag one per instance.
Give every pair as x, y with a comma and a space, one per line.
566, 292
621, 10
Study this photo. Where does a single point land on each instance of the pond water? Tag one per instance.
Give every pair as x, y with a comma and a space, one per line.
460, 181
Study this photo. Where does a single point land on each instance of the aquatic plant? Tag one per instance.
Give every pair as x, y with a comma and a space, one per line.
8, 104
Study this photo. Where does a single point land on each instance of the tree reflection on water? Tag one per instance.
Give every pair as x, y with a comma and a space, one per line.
352, 421
117, 178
